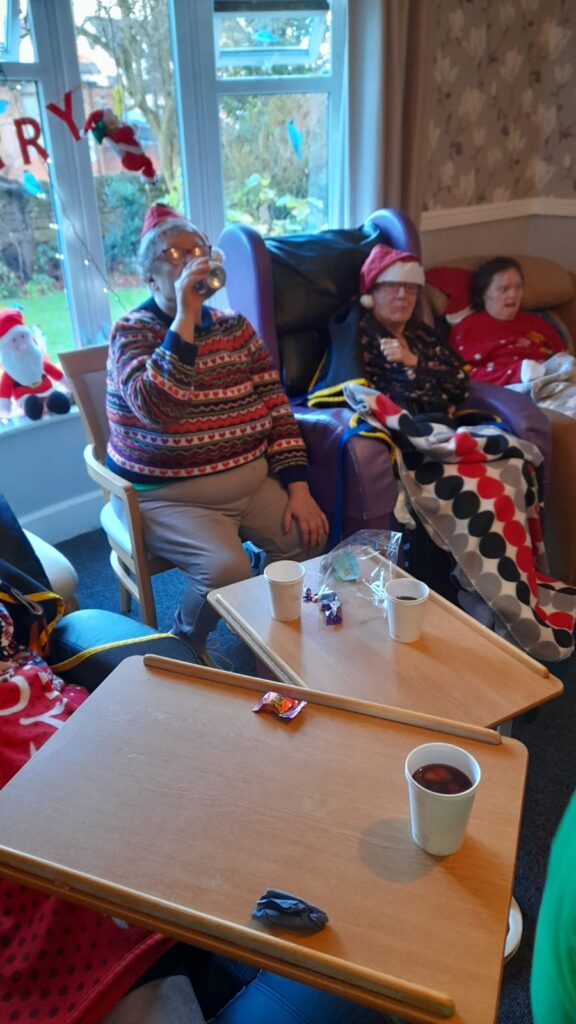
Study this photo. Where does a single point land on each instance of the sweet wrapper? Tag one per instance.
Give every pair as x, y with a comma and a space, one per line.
286, 911
280, 705
328, 603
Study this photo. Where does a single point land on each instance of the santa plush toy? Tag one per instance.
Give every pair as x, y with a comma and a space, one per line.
105, 125
29, 378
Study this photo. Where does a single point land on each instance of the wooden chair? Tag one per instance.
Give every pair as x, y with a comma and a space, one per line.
133, 566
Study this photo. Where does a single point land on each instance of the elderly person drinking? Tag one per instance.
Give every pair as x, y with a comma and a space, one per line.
200, 425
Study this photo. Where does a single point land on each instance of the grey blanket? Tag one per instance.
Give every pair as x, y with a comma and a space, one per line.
551, 384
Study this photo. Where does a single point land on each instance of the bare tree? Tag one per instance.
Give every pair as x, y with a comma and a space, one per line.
135, 34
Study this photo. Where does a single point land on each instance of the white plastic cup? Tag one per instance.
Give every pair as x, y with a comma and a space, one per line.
439, 820
405, 604
285, 581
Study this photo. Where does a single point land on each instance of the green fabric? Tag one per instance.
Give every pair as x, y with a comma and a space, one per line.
151, 487
553, 981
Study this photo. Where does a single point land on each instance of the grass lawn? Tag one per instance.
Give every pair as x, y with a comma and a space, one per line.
50, 314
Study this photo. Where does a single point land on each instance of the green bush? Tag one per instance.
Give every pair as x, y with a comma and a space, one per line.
46, 265
257, 203
122, 202
42, 284
9, 282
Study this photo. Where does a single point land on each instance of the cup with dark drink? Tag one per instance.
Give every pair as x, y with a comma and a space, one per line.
442, 782
405, 604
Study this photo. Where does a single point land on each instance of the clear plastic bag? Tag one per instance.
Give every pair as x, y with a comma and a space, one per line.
368, 557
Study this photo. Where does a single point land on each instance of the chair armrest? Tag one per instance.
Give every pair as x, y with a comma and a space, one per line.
111, 483
106, 478
522, 417
369, 485
519, 414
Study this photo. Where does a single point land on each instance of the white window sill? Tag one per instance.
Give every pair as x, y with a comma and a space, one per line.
21, 423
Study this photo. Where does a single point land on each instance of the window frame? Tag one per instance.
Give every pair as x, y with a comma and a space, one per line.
56, 70
197, 103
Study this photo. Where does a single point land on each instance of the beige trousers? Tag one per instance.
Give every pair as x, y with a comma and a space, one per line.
200, 525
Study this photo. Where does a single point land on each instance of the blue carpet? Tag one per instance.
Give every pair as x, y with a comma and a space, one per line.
548, 733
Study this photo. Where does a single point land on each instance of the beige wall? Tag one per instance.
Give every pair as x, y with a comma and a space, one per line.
501, 162
499, 232
502, 110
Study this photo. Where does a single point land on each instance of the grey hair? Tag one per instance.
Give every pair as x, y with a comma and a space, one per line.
150, 244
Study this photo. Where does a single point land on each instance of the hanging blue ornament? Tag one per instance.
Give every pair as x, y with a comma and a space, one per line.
31, 185
263, 36
295, 138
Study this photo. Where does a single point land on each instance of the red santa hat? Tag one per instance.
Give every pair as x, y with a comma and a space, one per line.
92, 120
157, 213
386, 264
10, 318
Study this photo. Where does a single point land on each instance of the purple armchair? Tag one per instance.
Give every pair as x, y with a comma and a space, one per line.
289, 288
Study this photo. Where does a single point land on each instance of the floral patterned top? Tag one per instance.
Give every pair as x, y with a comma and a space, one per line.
437, 382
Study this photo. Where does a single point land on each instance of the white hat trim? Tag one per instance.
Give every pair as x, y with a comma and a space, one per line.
402, 272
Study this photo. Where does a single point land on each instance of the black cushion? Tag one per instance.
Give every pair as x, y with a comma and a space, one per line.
314, 276
16, 548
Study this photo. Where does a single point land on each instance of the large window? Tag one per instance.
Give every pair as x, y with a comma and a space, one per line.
31, 260
274, 76
261, 107
234, 103
126, 70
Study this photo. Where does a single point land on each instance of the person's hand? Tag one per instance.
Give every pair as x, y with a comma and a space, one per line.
396, 350
301, 506
188, 298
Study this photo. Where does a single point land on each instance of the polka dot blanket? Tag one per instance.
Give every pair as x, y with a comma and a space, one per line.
474, 490
59, 963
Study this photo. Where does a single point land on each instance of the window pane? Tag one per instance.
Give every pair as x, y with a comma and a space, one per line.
15, 40
127, 72
274, 161
258, 39
30, 257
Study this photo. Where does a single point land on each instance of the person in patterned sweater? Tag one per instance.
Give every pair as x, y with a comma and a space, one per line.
200, 424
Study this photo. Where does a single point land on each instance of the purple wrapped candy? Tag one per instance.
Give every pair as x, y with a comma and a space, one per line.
330, 606
308, 595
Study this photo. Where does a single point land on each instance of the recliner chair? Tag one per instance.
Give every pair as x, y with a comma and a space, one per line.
288, 288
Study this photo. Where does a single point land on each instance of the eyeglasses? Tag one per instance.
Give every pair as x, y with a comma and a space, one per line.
393, 287
176, 255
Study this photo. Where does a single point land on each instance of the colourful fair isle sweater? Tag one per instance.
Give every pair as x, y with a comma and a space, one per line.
178, 410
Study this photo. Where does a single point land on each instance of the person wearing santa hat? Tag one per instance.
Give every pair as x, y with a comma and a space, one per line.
401, 355
201, 426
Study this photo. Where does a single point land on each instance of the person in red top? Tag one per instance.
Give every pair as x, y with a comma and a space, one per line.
495, 339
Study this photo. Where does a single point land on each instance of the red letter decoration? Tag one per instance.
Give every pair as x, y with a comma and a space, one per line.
26, 143
65, 114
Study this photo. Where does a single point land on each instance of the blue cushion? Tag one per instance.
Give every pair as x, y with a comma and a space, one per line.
87, 645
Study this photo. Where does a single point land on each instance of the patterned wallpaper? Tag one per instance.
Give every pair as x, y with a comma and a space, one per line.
502, 115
